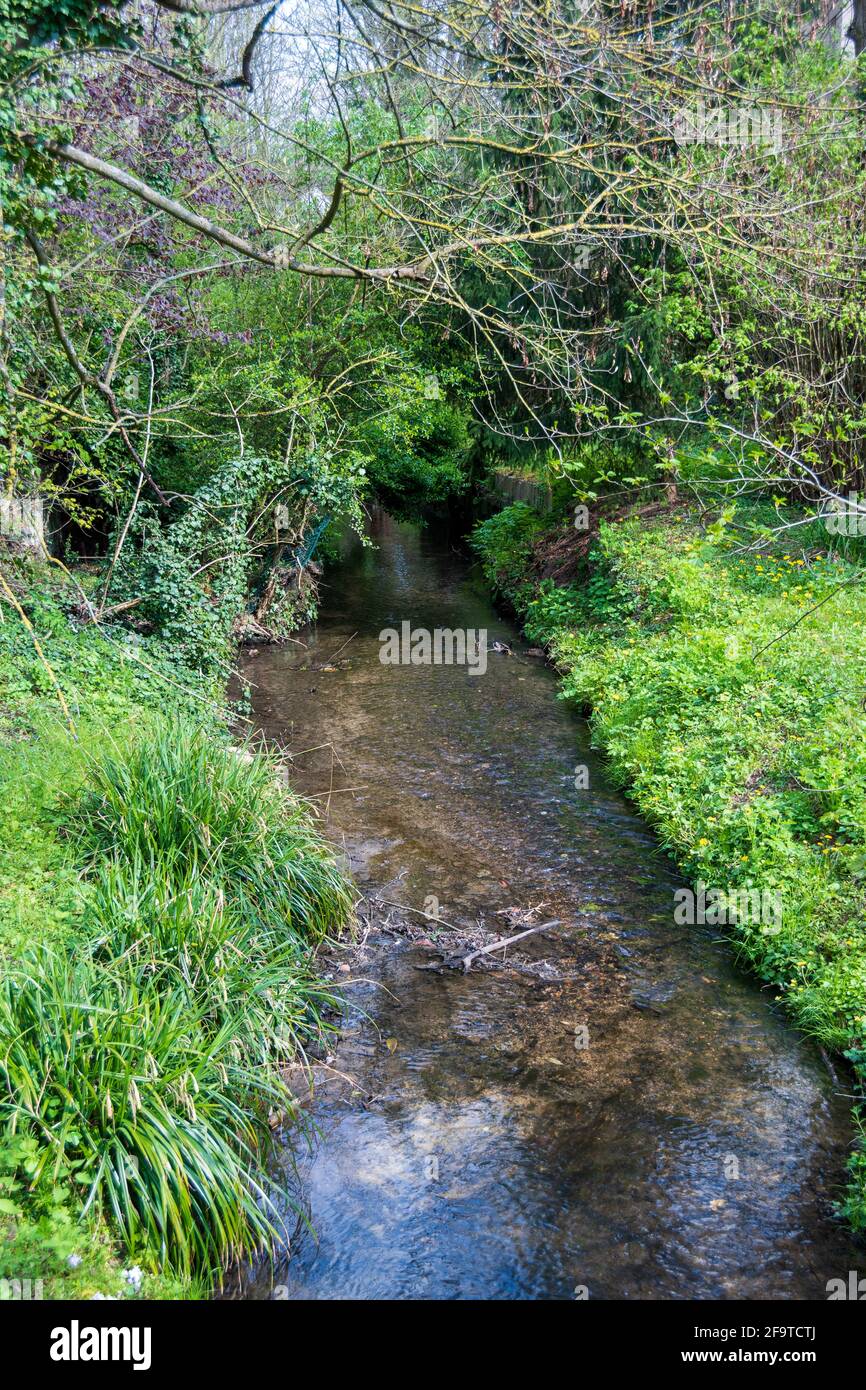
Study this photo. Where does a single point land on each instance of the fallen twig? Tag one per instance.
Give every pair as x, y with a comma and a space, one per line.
114, 608
332, 791
335, 654
435, 921
509, 941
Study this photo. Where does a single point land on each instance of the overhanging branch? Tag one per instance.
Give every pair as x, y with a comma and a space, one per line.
70, 154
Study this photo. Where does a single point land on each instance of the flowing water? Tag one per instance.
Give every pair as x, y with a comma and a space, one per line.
480, 1150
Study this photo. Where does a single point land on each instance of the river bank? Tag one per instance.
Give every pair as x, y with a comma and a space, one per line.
697, 654
161, 901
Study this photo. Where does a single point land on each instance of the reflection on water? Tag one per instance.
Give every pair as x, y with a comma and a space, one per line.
689, 1151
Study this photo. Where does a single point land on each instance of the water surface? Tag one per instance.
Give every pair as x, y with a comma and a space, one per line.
689, 1151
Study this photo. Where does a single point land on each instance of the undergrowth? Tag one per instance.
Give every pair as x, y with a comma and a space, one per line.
162, 895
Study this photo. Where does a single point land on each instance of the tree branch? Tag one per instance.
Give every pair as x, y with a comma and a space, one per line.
86, 377
70, 154
246, 77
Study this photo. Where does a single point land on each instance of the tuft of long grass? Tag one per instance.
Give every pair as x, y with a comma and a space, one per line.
239, 968
182, 801
136, 1099
147, 1065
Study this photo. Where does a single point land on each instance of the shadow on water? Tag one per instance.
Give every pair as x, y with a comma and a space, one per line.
689, 1151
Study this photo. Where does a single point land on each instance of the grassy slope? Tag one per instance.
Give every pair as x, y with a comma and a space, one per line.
750, 764
92, 849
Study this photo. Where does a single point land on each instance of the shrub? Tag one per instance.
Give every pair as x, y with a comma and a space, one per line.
504, 544
554, 607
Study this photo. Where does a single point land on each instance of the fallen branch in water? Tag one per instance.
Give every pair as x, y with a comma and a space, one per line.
509, 941
332, 791
334, 655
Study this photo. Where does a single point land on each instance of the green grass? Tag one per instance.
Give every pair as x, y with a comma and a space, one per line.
180, 802
161, 899
749, 763
130, 1092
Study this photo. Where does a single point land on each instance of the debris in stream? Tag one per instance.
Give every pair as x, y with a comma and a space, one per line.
502, 945
473, 947
330, 663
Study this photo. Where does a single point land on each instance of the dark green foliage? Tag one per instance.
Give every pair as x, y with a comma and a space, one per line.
145, 1063
504, 543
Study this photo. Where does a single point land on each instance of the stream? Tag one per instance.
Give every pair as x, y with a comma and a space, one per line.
625, 1115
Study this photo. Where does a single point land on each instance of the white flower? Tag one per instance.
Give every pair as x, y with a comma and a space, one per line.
103, 1297
74, 1261
132, 1277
